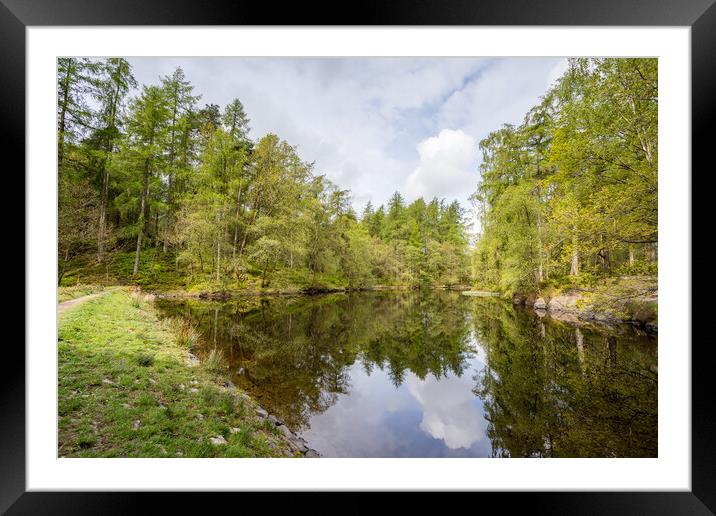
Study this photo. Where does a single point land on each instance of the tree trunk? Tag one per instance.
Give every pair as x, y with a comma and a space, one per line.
243, 241
238, 214
218, 249
63, 115
101, 233
170, 178
63, 269
575, 253
606, 263
141, 222
103, 213
540, 264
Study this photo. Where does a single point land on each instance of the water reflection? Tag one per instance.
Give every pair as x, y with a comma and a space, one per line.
449, 411
390, 374
559, 391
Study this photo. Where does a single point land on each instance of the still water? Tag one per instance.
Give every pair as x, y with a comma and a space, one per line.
435, 374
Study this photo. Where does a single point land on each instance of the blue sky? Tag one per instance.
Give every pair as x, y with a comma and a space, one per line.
375, 125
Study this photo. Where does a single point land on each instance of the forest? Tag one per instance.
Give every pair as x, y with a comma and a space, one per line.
571, 194
157, 189
159, 175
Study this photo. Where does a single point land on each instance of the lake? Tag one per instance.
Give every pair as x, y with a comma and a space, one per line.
435, 374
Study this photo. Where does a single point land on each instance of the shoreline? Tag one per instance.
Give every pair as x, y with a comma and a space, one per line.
560, 307
572, 307
130, 386
225, 295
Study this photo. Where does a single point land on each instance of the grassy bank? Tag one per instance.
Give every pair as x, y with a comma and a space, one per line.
73, 292
126, 388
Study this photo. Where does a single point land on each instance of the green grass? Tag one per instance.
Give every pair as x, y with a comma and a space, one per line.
125, 390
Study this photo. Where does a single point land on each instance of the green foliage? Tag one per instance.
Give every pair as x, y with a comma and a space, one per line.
572, 191
184, 198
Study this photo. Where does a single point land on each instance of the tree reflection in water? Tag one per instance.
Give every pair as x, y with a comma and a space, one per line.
547, 389
553, 390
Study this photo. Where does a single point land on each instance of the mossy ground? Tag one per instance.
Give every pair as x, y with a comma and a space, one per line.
125, 389
158, 272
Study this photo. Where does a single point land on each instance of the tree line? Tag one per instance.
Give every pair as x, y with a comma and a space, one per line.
566, 197
570, 195
156, 171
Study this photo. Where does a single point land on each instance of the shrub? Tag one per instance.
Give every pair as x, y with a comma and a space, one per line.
185, 334
214, 360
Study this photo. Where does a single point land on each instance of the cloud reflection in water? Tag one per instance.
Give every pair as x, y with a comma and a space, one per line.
450, 410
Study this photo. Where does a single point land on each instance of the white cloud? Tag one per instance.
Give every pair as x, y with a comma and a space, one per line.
360, 119
557, 72
447, 166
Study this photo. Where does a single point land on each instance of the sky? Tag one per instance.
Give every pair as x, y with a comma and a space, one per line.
375, 125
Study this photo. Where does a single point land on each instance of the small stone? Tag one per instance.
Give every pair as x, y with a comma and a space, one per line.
152, 381
234, 430
200, 416
193, 389
136, 424
299, 444
285, 430
275, 420
126, 405
217, 440
107, 381
182, 386
311, 454
261, 412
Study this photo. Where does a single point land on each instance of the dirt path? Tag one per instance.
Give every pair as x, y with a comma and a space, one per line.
65, 305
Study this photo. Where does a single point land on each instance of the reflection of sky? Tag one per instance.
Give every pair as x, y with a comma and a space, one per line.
420, 418
449, 410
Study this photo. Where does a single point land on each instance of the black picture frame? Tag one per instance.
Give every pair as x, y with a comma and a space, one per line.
700, 15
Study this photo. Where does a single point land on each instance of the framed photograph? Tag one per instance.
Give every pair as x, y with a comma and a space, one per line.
423, 247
